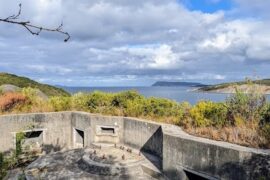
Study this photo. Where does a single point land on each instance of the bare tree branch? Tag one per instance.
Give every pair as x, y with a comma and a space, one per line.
33, 29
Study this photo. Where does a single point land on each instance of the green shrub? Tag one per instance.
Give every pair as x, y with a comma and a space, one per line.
217, 113
121, 99
3, 170
265, 122
98, 99
60, 103
246, 106
184, 118
135, 108
79, 101
265, 115
265, 131
19, 140
159, 107
207, 113
29, 92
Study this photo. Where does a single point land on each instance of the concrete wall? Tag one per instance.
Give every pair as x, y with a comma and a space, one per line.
107, 121
211, 159
143, 135
55, 128
178, 151
80, 121
88, 123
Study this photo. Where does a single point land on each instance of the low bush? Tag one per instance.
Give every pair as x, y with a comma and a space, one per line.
136, 108
79, 101
264, 125
162, 107
59, 103
245, 106
184, 119
3, 170
97, 100
265, 131
265, 115
207, 113
121, 99
10, 100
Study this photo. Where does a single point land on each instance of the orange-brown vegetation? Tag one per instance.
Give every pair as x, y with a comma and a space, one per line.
10, 100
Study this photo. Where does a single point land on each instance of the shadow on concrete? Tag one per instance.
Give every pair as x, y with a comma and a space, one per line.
49, 148
257, 167
153, 148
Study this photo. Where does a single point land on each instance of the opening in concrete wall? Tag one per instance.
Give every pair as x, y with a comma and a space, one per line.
191, 175
107, 134
107, 130
32, 140
79, 138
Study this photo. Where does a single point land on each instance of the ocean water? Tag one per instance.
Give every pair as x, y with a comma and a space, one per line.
179, 94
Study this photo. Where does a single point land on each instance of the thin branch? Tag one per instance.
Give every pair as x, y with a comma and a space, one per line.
33, 29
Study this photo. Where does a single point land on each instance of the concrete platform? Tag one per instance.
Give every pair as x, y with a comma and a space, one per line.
94, 163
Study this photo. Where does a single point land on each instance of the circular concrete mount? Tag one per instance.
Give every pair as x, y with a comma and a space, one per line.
112, 164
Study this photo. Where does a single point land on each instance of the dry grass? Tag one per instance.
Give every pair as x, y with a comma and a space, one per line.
10, 100
244, 136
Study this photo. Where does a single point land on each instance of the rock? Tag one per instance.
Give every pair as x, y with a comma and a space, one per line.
11, 88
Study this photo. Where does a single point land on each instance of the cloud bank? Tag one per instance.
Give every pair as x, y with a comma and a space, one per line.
124, 42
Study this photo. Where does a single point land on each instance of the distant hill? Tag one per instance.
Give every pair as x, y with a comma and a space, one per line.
11, 79
167, 83
261, 85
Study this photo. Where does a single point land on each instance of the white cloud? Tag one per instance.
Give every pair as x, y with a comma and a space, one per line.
164, 58
135, 40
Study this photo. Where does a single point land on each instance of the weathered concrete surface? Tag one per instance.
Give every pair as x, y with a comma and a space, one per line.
211, 159
55, 126
75, 164
143, 135
178, 152
89, 122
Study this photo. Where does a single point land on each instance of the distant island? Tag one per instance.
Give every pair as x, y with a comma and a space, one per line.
261, 86
188, 84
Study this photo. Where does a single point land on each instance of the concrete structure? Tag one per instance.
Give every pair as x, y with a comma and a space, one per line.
179, 155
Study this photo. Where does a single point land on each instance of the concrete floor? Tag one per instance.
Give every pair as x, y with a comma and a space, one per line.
94, 163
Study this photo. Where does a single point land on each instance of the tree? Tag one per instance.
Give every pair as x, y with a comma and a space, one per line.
33, 29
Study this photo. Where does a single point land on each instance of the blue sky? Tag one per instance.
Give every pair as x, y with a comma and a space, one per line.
208, 6
131, 43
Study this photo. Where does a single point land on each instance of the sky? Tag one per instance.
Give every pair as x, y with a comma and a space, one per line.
135, 43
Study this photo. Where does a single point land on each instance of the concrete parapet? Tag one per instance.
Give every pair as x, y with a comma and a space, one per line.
180, 155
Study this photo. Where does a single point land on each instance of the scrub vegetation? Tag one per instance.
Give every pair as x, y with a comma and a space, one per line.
23, 82
242, 119
18, 158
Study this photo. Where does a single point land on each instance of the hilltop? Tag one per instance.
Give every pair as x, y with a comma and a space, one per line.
262, 86
21, 82
167, 83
